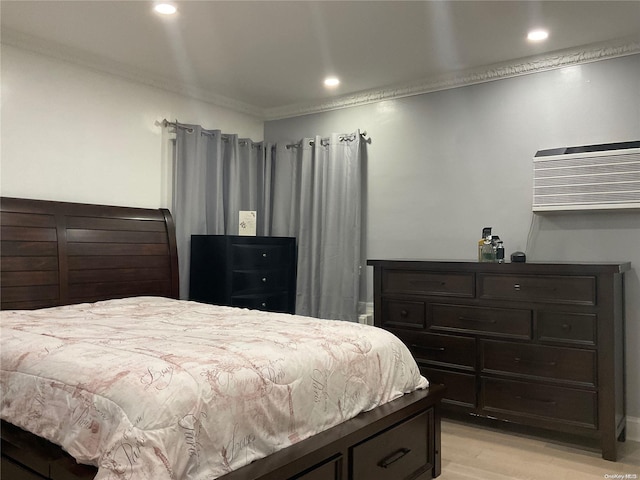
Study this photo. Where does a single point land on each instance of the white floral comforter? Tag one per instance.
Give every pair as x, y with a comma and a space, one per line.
152, 388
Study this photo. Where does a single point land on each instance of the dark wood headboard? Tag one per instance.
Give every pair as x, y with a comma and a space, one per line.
58, 253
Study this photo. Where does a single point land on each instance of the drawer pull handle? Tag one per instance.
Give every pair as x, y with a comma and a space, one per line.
539, 400
531, 362
404, 313
566, 327
264, 304
393, 458
477, 320
264, 255
264, 279
426, 347
516, 286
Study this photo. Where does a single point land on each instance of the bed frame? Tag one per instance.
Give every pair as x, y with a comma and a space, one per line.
57, 253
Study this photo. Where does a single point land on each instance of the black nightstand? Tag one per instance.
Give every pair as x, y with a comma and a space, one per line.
243, 271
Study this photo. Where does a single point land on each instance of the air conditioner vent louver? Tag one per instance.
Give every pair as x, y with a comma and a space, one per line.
593, 177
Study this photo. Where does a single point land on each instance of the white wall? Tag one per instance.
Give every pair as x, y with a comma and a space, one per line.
443, 165
73, 134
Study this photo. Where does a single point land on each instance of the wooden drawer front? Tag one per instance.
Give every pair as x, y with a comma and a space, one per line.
566, 327
427, 283
566, 364
256, 256
259, 280
490, 321
539, 288
564, 405
400, 453
403, 314
461, 387
326, 471
13, 471
444, 350
274, 302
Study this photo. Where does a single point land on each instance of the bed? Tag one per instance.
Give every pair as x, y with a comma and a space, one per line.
66, 264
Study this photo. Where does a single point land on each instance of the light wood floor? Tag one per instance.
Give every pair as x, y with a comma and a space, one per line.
476, 452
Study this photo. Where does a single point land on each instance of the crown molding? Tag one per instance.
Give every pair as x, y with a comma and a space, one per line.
565, 58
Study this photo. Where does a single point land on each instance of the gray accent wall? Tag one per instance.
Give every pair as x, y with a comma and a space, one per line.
442, 165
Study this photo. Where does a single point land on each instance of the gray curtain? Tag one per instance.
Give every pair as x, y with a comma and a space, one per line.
317, 198
310, 190
215, 176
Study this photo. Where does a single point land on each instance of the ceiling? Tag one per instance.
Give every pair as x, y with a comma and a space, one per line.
269, 58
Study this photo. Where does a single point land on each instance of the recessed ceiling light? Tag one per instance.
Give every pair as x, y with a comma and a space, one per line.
331, 82
537, 35
165, 9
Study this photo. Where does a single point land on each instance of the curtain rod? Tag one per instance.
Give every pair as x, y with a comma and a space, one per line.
167, 123
325, 141
225, 138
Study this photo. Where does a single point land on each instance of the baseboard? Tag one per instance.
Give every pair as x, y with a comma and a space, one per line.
633, 429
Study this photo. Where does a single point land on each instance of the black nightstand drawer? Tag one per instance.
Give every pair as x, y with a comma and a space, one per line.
259, 255
244, 281
270, 302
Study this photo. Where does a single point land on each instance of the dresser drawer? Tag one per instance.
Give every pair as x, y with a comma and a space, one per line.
557, 363
400, 453
539, 288
490, 321
259, 255
461, 387
403, 314
559, 404
443, 350
412, 282
259, 280
566, 327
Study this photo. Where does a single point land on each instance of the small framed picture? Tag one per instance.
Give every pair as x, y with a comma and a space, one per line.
247, 223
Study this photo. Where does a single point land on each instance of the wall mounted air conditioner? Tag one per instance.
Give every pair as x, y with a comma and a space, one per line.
592, 177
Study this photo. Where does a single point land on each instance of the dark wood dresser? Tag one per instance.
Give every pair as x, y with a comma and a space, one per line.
243, 271
535, 344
